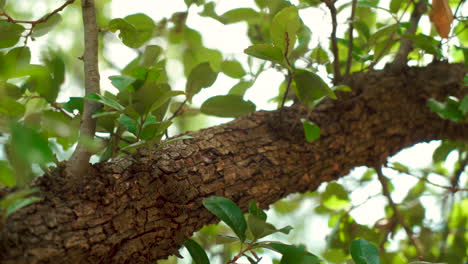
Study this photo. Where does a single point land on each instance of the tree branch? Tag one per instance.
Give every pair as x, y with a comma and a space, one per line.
336, 63
397, 214
406, 44
142, 207
79, 162
349, 59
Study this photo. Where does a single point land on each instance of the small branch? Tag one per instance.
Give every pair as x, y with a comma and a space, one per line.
458, 7
452, 189
289, 78
463, 162
79, 162
399, 217
349, 60
406, 45
336, 63
34, 23
178, 111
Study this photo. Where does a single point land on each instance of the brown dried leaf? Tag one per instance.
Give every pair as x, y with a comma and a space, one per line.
442, 17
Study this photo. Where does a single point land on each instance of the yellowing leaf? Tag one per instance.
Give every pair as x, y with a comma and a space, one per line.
442, 17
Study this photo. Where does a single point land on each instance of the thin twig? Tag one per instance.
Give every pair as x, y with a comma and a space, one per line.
399, 217
463, 162
179, 109
79, 162
336, 63
406, 44
289, 78
458, 7
390, 39
455, 178
452, 189
34, 23
349, 60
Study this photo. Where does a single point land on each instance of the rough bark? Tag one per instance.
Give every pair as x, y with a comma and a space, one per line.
142, 207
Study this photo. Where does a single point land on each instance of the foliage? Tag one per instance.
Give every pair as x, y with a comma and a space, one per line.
39, 120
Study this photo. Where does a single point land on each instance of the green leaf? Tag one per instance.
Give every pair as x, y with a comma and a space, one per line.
255, 210
343, 88
29, 145
240, 88
152, 130
11, 109
310, 87
105, 100
134, 29
319, 55
43, 28
19, 56
164, 98
201, 76
74, 103
229, 213
20, 203
151, 55
364, 252
240, 14
311, 130
7, 176
2, 4
265, 52
227, 106
129, 123
8, 200
335, 197
196, 252
464, 105
395, 5
442, 151
284, 27
400, 167
121, 82
425, 43
293, 254
232, 69
260, 228
447, 110
10, 33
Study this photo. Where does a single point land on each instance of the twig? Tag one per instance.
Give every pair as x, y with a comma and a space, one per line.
452, 189
79, 162
179, 109
463, 162
289, 78
406, 44
458, 7
399, 217
349, 60
336, 63
34, 23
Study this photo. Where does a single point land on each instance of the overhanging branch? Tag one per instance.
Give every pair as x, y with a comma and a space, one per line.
142, 207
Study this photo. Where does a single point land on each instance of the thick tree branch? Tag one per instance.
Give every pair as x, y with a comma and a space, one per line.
142, 207
79, 162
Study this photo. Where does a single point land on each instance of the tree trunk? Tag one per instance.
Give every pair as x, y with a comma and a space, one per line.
140, 208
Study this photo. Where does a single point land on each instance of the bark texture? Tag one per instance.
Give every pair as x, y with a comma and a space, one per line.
140, 208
